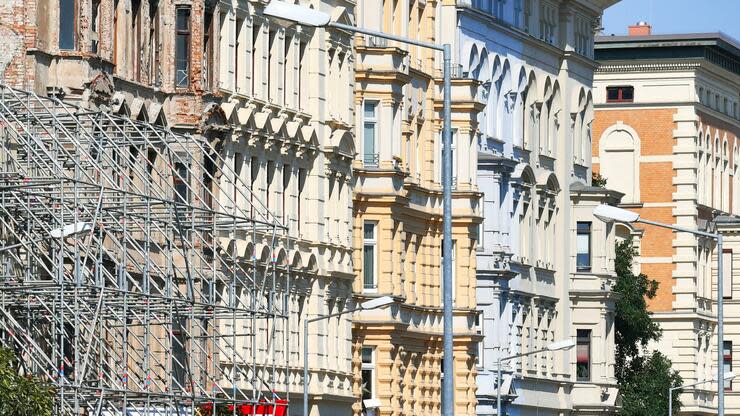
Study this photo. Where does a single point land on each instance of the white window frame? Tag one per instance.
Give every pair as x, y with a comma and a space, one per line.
369, 367
374, 243
370, 120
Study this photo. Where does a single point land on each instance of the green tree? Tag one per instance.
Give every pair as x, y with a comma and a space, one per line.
22, 395
644, 386
644, 378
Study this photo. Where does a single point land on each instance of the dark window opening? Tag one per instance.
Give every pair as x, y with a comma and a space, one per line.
154, 75
301, 186
179, 353
583, 247
270, 177
583, 355
368, 373
254, 169
302, 75
182, 48
237, 52
286, 185
270, 63
620, 94
94, 25
181, 183
255, 38
67, 24
238, 163
207, 51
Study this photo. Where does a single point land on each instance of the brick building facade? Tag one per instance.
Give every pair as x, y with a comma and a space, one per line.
259, 90
666, 135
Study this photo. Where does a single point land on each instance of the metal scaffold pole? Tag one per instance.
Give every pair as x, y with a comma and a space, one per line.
130, 277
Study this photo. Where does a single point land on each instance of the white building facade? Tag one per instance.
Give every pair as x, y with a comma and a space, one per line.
545, 264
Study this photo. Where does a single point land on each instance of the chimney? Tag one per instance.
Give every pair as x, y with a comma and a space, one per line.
640, 29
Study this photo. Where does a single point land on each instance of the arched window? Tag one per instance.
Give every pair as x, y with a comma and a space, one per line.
717, 183
619, 154
523, 182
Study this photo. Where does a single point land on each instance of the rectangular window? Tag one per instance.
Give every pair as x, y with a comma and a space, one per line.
583, 355
238, 163
254, 169
727, 362
479, 346
154, 73
370, 157
271, 63
620, 94
286, 62
302, 74
301, 186
238, 52
207, 51
727, 273
369, 256
179, 353
181, 183
182, 47
270, 177
67, 24
255, 39
286, 185
583, 247
95, 25
368, 373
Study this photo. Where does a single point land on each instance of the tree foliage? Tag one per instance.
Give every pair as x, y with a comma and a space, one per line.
645, 383
634, 326
644, 378
22, 395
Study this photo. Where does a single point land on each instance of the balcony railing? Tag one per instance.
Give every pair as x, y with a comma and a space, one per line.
376, 42
371, 159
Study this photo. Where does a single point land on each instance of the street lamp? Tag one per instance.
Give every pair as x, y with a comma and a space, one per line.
563, 345
364, 306
310, 17
725, 377
608, 214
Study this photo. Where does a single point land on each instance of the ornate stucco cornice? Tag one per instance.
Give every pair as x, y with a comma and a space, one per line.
648, 67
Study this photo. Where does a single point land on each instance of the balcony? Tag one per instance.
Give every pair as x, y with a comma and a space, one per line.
370, 160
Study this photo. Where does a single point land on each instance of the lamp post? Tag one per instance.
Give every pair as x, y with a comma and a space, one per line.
563, 345
608, 214
310, 17
364, 306
725, 377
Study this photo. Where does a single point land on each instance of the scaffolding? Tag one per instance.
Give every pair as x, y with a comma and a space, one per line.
138, 273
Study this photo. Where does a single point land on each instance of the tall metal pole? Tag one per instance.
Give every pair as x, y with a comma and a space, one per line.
305, 367
448, 397
720, 330
498, 386
670, 401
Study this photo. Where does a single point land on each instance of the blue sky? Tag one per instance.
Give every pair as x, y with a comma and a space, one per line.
675, 16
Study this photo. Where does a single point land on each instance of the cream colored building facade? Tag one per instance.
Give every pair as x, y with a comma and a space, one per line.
666, 135
398, 215
276, 100
545, 264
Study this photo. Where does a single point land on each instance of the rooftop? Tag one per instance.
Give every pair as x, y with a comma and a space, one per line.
717, 47
717, 39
